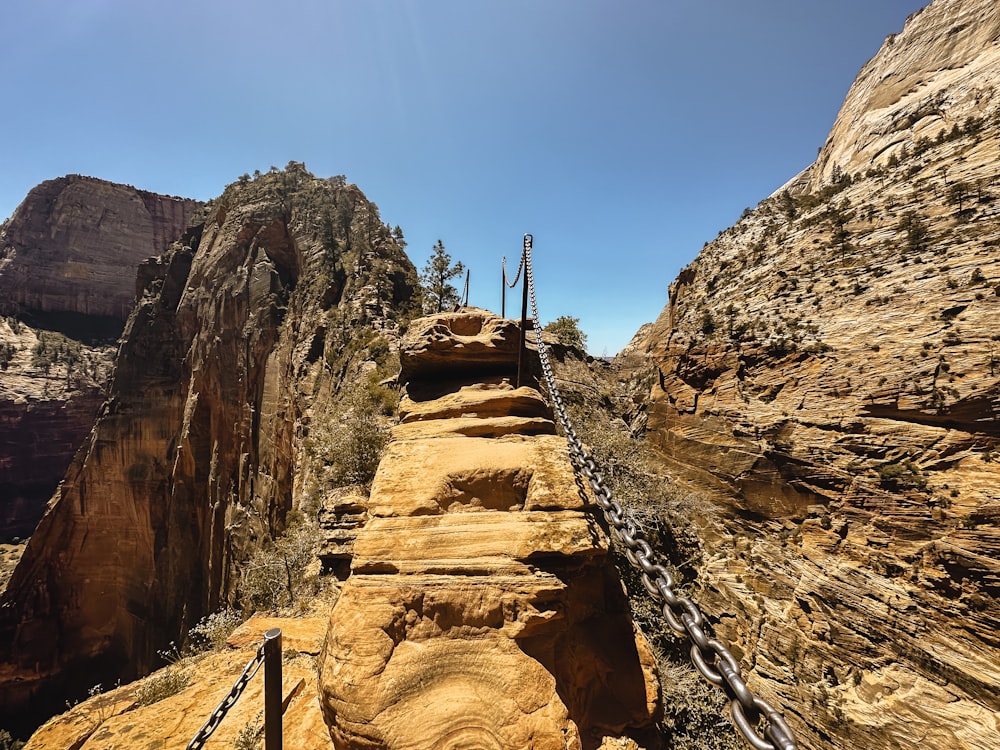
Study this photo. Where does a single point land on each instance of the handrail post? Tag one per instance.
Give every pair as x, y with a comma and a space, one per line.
524, 313
272, 689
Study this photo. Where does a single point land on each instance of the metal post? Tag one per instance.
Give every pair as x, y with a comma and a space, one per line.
272, 689
503, 287
524, 311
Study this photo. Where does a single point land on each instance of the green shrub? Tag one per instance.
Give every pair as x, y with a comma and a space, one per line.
902, 475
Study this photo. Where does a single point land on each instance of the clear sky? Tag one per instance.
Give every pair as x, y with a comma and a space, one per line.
622, 135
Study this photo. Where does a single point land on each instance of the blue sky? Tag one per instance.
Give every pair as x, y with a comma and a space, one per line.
622, 135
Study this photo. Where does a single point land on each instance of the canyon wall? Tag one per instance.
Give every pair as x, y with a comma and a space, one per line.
68, 259
239, 331
828, 373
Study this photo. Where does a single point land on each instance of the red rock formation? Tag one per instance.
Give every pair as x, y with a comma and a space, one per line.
74, 244
193, 459
68, 258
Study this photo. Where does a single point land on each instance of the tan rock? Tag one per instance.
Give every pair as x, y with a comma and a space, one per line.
827, 377
115, 719
482, 610
471, 341
200, 451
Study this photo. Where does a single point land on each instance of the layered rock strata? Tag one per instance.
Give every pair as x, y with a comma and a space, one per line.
829, 374
167, 709
482, 609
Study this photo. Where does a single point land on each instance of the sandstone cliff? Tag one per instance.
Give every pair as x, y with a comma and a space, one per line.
73, 245
68, 258
197, 455
829, 373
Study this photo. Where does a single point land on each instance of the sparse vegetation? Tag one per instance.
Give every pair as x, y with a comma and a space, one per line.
346, 441
160, 685
214, 629
567, 330
901, 475
280, 573
251, 735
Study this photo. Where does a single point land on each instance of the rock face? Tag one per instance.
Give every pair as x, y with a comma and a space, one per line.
197, 454
68, 259
482, 609
74, 244
829, 373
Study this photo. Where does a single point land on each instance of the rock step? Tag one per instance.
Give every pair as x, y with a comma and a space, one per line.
482, 609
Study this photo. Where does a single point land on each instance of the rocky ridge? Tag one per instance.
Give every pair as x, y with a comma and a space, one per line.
829, 374
482, 609
241, 332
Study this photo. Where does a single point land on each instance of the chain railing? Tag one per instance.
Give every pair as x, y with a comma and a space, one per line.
713, 660
268, 654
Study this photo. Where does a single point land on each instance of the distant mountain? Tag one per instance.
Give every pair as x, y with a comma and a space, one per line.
68, 260
829, 373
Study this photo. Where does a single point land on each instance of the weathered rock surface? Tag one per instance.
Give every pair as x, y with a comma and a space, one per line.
75, 243
68, 259
115, 719
829, 373
482, 609
198, 454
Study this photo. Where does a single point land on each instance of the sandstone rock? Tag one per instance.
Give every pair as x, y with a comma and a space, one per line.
826, 375
466, 341
482, 609
74, 244
115, 719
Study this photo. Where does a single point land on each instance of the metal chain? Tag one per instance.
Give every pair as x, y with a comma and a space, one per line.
229, 701
512, 284
682, 615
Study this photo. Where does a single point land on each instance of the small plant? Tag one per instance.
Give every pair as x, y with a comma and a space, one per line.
249, 737
214, 630
7, 742
160, 685
902, 475
277, 574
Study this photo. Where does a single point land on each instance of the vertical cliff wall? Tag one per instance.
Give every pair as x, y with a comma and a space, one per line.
829, 373
68, 259
74, 243
192, 460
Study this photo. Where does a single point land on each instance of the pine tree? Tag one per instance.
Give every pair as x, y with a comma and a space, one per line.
438, 272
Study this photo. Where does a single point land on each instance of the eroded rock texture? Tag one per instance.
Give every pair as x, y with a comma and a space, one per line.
482, 610
829, 373
68, 260
197, 455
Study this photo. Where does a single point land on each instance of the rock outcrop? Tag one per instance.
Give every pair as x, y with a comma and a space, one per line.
167, 709
197, 455
68, 260
829, 373
482, 609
